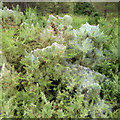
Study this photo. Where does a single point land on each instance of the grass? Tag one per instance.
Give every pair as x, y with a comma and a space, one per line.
78, 21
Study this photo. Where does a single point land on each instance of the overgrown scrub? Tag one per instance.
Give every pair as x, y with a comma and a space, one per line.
53, 71
111, 65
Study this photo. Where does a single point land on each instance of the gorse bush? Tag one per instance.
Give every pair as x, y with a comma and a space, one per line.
54, 71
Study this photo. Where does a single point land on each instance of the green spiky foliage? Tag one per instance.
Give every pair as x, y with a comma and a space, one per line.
42, 75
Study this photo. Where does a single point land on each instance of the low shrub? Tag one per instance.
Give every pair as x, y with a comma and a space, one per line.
57, 71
